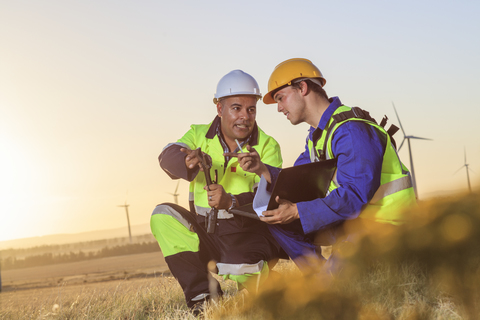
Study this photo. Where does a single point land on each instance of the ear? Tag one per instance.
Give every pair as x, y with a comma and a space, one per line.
219, 109
303, 88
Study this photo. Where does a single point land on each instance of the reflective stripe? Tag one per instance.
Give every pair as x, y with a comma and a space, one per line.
181, 144
255, 185
239, 269
222, 214
391, 187
334, 179
250, 281
201, 296
313, 157
169, 211
172, 236
191, 196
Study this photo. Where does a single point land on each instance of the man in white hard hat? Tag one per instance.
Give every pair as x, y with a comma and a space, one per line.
242, 248
370, 188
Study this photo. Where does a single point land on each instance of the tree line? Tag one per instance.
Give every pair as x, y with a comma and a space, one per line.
86, 246
11, 262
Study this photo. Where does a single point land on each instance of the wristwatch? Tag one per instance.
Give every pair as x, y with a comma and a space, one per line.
234, 202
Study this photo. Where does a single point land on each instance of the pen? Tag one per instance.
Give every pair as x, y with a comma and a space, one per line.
239, 146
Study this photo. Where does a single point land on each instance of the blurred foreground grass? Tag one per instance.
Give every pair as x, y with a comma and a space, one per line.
427, 269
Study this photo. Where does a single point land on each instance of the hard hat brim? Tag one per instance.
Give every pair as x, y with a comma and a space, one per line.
268, 99
217, 100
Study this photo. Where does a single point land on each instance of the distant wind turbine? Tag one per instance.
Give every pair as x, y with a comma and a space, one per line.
128, 219
466, 168
405, 137
175, 194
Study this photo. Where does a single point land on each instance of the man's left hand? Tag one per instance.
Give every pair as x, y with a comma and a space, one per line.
217, 197
285, 213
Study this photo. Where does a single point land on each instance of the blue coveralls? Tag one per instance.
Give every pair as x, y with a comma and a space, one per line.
359, 150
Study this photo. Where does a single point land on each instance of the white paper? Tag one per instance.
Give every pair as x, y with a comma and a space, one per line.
262, 197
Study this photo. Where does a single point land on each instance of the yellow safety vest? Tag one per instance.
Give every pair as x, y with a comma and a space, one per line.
395, 192
232, 177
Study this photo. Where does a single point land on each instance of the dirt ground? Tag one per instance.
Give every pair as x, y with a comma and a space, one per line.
89, 271
22, 287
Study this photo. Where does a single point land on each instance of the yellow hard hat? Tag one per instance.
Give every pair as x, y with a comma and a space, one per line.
289, 70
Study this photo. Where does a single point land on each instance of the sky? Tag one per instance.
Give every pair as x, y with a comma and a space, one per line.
91, 92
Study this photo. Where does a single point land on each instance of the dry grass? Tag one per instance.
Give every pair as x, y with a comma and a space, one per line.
428, 269
157, 298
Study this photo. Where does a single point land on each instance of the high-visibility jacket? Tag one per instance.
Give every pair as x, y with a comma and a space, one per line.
230, 175
395, 192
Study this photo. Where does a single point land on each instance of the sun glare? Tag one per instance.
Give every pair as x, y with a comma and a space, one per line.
18, 178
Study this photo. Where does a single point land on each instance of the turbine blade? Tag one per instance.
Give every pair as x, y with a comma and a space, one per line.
401, 144
465, 152
178, 183
399, 122
459, 169
420, 138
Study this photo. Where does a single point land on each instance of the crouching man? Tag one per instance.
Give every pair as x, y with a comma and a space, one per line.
242, 248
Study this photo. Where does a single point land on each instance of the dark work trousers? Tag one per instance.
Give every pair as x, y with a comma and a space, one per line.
236, 242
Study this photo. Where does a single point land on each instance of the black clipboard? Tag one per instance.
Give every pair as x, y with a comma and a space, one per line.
304, 182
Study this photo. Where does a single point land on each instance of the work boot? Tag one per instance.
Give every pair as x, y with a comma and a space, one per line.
199, 306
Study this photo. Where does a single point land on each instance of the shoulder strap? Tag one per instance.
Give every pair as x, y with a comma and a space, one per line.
355, 112
359, 113
391, 130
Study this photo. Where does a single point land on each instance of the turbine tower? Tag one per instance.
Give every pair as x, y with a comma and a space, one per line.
128, 219
466, 168
175, 194
405, 137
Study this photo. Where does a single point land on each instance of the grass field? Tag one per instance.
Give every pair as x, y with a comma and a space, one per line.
402, 293
428, 269
127, 287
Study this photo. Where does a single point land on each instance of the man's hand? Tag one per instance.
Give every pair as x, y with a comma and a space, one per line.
217, 197
250, 162
191, 161
285, 213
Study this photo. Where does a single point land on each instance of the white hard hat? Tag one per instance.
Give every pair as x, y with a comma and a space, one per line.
234, 83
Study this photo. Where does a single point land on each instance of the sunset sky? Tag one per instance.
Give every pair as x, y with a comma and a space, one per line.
91, 91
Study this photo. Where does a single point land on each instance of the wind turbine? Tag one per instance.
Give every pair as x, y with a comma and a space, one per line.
175, 194
405, 137
128, 219
466, 168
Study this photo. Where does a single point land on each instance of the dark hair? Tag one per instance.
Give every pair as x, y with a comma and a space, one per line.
312, 86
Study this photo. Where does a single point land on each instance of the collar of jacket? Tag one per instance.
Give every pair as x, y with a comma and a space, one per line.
216, 123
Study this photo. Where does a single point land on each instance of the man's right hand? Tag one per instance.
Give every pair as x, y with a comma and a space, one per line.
250, 162
285, 213
191, 161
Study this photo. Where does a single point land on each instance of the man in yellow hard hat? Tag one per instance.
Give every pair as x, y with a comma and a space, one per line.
370, 186
242, 249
